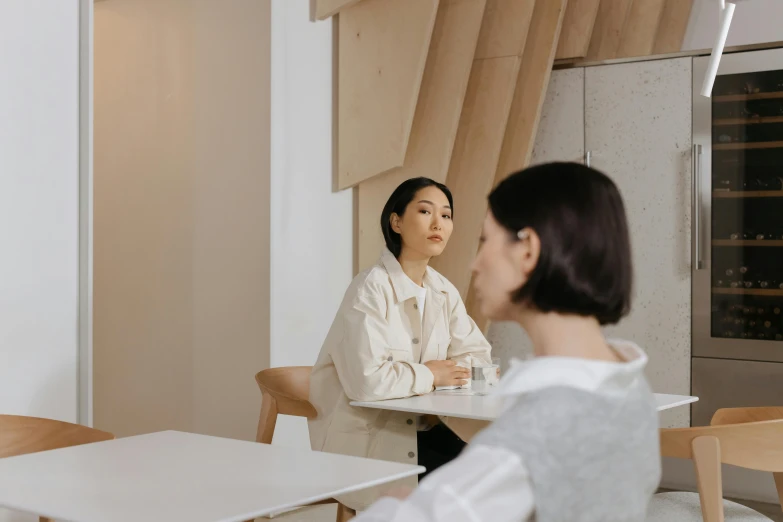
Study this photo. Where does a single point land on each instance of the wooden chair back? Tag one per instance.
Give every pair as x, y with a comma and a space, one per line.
746, 437
284, 391
22, 435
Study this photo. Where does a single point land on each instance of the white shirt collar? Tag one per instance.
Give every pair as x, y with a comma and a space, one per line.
584, 374
404, 287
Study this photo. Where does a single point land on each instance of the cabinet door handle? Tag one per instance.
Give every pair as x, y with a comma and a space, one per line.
696, 206
588, 158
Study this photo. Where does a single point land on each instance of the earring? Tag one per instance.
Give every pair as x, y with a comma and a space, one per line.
523, 234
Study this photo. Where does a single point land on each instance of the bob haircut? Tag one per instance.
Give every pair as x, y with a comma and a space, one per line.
585, 266
399, 201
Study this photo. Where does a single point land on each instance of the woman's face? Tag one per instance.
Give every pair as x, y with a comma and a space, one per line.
426, 225
502, 265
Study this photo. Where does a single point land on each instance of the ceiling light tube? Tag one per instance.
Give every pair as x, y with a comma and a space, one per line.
717, 51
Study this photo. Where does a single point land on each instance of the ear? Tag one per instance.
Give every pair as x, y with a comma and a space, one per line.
394, 221
528, 250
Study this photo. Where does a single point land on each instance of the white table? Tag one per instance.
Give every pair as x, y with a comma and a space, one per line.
465, 405
173, 476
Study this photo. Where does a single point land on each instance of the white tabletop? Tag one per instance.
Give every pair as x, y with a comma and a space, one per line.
466, 405
172, 476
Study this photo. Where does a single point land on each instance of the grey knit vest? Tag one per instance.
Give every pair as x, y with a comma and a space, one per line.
591, 457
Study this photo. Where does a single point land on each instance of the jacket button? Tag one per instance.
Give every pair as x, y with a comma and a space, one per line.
415, 306
415, 340
411, 454
409, 421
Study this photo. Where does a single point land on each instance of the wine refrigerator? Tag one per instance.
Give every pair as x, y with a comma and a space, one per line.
737, 235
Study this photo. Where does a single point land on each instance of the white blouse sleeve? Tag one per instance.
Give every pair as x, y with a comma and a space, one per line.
484, 483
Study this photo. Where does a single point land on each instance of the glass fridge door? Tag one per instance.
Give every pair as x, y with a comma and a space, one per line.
745, 224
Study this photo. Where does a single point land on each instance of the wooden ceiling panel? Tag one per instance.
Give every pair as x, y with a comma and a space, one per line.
475, 157
382, 50
607, 32
525, 114
504, 29
674, 23
640, 28
531, 87
435, 123
577, 30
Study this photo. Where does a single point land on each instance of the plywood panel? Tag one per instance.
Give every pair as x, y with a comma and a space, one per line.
383, 48
671, 30
531, 87
326, 8
529, 96
640, 28
608, 29
476, 152
578, 25
504, 29
435, 123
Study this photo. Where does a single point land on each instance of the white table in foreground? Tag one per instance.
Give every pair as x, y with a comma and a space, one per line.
173, 476
461, 404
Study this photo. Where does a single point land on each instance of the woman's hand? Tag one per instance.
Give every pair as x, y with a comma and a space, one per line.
447, 373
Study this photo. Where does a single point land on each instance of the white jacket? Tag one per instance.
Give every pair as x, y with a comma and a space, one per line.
375, 350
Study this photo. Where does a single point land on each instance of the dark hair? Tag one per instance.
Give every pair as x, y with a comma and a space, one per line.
585, 266
399, 201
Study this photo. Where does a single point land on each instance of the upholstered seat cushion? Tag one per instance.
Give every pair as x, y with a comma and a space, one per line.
680, 506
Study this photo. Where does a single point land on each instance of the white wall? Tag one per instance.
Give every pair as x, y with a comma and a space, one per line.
311, 225
754, 22
39, 207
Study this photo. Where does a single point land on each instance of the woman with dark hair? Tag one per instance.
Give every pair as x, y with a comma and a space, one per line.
401, 330
578, 440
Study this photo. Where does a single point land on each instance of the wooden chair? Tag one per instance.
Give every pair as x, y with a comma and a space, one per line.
23, 435
747, 437
286, 391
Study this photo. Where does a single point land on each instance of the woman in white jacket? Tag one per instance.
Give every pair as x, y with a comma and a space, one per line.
400, 331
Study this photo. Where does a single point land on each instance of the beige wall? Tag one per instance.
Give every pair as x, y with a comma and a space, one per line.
181, 224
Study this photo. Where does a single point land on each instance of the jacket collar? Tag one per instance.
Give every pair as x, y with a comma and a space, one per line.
404, 287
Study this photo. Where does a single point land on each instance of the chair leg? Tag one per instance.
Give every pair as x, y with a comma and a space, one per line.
344, 513
779, 485
267, 419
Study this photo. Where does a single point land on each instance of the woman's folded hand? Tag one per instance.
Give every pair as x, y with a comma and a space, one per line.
447, 373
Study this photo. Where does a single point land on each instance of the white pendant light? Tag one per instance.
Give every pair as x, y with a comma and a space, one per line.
726, 14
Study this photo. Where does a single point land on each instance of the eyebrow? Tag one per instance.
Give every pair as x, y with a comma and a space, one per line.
433, 204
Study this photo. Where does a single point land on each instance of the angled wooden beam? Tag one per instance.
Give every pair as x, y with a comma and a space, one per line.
481, 129
608, 29
640, 28
504, 28
382, 50
529, 95
671, 30
475, 157
531, 87
578, 24
326, 8
435, 123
